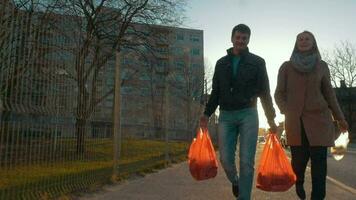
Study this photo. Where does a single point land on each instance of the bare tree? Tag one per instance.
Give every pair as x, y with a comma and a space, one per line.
342, 63
102, 27
193, 91
208, 79
95, 29
23, 25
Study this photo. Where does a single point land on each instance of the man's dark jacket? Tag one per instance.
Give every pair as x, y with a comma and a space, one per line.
235, 93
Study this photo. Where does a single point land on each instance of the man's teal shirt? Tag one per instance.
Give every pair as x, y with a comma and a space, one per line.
235, 65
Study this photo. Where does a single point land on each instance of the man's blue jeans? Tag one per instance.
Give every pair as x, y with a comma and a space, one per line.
239, 125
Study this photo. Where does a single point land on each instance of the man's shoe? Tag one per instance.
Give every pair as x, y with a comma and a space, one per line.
235, 190
300, 191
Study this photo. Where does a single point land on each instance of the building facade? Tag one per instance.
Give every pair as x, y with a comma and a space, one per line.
160, 91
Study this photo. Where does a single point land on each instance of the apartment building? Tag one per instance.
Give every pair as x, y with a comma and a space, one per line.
159, 93
163, 92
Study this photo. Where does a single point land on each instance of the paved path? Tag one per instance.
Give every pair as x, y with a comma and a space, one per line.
175, 183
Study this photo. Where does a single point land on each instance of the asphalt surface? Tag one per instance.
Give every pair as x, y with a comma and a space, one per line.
176, 183
343, 170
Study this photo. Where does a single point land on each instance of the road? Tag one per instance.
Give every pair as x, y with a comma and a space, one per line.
344, 170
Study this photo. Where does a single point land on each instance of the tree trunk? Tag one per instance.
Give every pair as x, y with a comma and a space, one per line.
80, 133
189, 114
5, 136
81, 119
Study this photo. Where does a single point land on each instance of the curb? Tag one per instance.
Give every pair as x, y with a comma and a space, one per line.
343, 186
339, 184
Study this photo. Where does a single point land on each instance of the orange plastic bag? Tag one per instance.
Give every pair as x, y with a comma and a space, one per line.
201, 157
275, 172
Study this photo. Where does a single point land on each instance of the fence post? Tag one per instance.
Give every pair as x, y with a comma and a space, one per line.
116, 117
166, 114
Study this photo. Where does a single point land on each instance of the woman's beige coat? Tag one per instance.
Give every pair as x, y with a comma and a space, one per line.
310, 97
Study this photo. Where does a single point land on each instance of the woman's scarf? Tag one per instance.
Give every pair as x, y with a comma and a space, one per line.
304, 62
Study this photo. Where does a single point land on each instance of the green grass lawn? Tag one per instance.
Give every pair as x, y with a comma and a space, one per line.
70, 174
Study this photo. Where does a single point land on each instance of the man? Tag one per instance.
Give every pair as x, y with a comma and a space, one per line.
239, 78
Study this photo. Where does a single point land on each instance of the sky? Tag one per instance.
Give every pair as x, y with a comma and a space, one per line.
274, 26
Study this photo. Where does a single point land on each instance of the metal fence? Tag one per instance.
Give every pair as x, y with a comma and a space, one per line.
47, 149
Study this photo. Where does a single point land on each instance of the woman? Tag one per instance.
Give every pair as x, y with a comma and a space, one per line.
305, 96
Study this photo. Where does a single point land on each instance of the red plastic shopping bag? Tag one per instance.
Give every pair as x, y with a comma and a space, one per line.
275, 172
202, 159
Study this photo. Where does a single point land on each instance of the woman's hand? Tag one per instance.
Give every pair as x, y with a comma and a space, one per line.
344, 126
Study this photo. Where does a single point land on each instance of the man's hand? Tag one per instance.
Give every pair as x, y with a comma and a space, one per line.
344, 126
272, 126
204, 122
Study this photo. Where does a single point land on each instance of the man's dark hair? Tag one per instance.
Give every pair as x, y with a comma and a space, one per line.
242, 28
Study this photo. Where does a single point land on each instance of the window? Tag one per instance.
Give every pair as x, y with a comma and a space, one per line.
127, 61
180, 36
194, 38
180, 64
108, 103
145, 92
161, 66
195, 52
162, 50
110, 81
179, 51
180, 78
126, 90
145, 63
163, 37
145, 77
110, 97
195, 65
125, 75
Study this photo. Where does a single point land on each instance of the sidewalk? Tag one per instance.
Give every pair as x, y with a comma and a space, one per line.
175, 183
